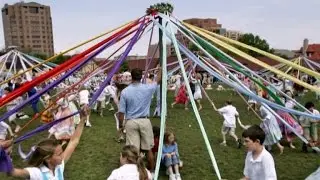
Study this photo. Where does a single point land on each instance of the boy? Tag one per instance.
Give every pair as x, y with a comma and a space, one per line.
309, 125
229, 114
259, 163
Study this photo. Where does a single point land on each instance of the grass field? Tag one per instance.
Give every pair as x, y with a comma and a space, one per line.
98, 154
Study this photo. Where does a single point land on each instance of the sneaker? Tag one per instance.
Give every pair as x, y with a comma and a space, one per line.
24, 117
239, 143
172, 177
178, 177
88, 124
223, 144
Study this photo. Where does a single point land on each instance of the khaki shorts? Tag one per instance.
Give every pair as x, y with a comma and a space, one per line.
139, 133
226, 130
311, 133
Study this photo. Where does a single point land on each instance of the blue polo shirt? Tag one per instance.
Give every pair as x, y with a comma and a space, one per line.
135, 100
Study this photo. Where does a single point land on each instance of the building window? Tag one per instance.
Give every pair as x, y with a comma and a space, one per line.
34, 10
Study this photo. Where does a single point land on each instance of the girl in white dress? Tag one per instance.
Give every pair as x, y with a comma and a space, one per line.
197, 93
271, 127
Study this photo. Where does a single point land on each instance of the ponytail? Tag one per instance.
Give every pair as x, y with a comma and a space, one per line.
131, 153
143, 174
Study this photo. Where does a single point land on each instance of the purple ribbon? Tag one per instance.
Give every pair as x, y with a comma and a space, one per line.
96, 94
5, 162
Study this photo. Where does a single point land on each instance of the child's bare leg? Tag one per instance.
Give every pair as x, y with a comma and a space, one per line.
176, 168
170, 170
199, 103
174, 103
280, 148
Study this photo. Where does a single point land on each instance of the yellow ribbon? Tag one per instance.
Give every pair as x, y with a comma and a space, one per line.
64, 52
272, 56
250, 58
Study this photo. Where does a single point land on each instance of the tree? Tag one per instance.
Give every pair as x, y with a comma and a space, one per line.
61, 59
39, 56
254, 41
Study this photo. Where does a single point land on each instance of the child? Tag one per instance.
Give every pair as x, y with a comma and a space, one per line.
230, 114
65, 129
259, 163
182, 97
271, 128
309, 125
84, 101
47, 115
11, 105
4, 129
156, 137
132, 166
170, 156
49, 159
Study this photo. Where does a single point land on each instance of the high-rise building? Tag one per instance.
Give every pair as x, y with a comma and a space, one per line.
29, 27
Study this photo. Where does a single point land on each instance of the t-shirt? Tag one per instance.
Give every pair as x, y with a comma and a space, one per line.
229, 114
3, 130
127, 172
39, 173
261, 168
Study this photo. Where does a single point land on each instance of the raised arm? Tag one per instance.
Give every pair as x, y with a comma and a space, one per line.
75, 139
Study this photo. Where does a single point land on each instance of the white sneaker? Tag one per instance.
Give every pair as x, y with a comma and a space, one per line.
24, 117
88, 124
178, 177
223, 144
172, 177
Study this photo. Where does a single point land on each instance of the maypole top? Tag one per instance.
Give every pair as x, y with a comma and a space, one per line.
160, 8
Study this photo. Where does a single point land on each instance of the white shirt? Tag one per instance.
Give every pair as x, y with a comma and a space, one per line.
229, 114
3, 130
84, 97
38, 173
127, 172
262, 168
178, 80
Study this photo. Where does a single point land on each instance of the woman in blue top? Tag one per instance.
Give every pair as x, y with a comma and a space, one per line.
170, 156
48, 159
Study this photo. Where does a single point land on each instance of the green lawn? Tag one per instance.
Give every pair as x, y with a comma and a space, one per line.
98, 154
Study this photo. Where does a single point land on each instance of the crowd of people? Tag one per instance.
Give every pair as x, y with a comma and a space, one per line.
132, 94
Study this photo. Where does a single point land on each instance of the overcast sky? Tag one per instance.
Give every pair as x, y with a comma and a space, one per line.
284, 23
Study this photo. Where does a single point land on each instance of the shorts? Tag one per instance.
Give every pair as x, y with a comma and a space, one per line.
225, 130
173, 160
311, 133
139, 133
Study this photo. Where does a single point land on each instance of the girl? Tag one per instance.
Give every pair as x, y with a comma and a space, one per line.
170, 156
197, 93
11, 105
288, 134
182, 97
84, 101
132, 166
47, 115
49, 159
271, 128
73, 108
64, 129
4, 129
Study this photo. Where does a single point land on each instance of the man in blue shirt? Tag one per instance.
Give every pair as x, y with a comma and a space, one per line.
135, 103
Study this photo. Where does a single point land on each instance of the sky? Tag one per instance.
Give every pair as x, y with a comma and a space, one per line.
283, 23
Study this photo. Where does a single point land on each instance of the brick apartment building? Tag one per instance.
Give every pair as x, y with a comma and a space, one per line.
29, 27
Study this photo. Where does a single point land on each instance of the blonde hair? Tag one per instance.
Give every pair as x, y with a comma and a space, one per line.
131, 153
44, 150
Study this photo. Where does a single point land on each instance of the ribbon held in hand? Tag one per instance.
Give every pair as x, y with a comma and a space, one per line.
5, 162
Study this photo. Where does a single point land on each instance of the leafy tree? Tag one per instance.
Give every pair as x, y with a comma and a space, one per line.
254, 41
38, 55
61, 59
